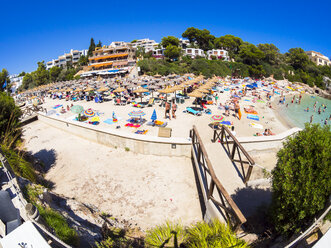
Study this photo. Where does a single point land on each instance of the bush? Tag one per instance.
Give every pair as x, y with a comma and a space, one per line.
167, 235
301, 179
214, 234
20, 166
200, 235
53, 218
9, 119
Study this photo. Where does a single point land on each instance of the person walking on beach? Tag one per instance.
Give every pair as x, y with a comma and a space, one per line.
167, 111
174, 108
311, 119
216, 98
237, 110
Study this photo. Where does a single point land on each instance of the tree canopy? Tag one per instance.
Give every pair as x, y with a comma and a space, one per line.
250, 54
169, 40
301, 179
271, 53
203, 38
91, 48
297, 58
4, 77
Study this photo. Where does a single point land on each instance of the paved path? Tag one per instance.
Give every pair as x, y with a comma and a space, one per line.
225, 170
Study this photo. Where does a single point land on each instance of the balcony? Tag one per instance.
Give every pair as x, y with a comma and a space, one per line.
106, 56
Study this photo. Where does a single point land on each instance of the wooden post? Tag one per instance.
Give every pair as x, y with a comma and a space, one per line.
233, 150
214, 138
211, 188
249, 172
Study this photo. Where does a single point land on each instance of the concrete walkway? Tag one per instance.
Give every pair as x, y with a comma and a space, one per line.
225, 171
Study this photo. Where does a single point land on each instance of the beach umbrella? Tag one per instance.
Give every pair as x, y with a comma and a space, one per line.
77, 90
89, 113
77, 109
114, 116
102, 89
217, 118
138, 113
203, 90
196, 94
154, 117
140, 90
88, 89
119, 90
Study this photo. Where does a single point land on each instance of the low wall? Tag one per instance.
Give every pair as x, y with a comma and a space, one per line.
143, 144
266, 142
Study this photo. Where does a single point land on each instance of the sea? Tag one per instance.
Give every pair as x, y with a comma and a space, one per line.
297, 115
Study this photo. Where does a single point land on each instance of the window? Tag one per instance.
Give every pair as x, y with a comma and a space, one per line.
221, 52
215, 52
197, 51
189, 51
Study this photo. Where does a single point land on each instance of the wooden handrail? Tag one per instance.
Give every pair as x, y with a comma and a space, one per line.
214, 180
222, 136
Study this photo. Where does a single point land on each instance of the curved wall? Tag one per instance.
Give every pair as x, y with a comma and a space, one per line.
149, 145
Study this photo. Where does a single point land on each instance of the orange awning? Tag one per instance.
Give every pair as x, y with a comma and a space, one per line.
110, 56
100, 65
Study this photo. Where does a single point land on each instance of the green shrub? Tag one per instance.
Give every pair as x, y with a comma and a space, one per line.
214, 234
167, 235
53, 218
59, 224
9, 119
20, 166
301, 179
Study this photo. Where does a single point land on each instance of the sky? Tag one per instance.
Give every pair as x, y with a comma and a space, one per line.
33, 31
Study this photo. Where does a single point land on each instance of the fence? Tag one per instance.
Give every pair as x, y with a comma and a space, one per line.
237, 152
219, 197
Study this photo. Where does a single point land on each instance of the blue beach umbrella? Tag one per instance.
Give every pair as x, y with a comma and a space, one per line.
154, 117
114, 116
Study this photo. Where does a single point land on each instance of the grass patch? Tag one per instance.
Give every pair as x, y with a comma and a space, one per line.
20, 166
54, 219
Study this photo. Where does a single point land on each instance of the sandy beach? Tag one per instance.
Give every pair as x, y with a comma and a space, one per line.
143, 189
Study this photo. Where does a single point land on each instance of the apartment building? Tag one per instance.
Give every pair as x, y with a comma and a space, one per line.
318, 58
158, 53
147, 44
71, 57
15, 82
193, 52
219, 54
112, 57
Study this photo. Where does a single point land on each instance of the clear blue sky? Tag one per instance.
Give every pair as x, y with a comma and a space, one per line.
32, 31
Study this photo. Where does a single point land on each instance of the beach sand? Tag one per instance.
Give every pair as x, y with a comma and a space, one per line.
142, 189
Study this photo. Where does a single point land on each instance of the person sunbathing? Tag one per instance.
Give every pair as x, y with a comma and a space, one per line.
270, 133
250, 110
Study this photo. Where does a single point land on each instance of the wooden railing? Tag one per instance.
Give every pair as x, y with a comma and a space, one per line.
237, 152
219, 197
30, 110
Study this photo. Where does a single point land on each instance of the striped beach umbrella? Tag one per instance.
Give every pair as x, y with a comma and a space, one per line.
138, 113
217, 118
89, 113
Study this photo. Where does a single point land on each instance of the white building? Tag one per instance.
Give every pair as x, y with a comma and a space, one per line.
219, 54
71, 57
15, 81
318, 58
158, 53
147, 44
184, 43
118, 44
193, 52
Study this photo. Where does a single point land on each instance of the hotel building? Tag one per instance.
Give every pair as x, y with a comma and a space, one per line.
318, 58
147, 44
219, 54
193, 52
72, 58
112, 57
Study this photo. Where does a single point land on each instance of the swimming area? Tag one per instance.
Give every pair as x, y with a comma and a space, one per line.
296, 114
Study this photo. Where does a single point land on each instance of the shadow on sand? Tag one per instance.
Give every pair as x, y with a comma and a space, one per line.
48, 157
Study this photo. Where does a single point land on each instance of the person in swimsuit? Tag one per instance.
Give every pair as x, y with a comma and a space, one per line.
174, 108
167, 110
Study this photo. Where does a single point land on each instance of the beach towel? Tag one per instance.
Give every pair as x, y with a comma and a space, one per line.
57, 106
256, 125
260, 101
239, 114
247, 100
109, 121
141, 132
250, 112
253, 117
227, 123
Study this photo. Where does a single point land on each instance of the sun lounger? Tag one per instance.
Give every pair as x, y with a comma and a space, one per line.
193, 112
253, 117
150, 102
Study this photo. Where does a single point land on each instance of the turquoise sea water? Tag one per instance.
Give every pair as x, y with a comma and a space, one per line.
296, 115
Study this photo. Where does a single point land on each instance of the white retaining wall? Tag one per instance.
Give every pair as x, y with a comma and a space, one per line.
143, 144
